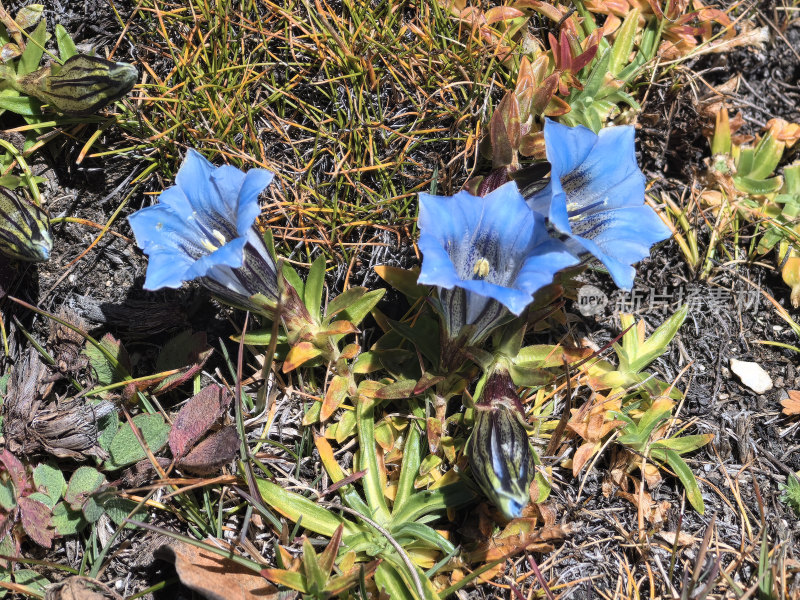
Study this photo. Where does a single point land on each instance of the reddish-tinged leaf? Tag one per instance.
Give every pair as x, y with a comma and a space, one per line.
586, 57
290, 579
656, 6
502, 152
337, 585
532, 144
35, 518
339, 328
369, 389
543, 8
525, 79
502, 13
434, 429
350, 351
540, 67
16, 470
543, 93
334, 396
143, 384
299, 354
172, 381
196, 417
426, 381
213, 452
397, 390
557, 107
564, 51
519, 536
331, 550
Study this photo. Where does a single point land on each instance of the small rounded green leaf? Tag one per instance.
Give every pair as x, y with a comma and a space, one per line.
125, 448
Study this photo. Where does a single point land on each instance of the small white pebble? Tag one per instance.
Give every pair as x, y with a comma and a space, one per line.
109, 283
752, 375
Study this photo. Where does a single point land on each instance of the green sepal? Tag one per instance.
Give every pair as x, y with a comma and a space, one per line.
757, 187
358, 310
623, 43
300, 509
636, 353
292, 278
81, 86
34, 50
312, 294
24, 229
687, 478
66, 47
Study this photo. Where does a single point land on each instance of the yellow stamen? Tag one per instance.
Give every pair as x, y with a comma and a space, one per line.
220, 238
481, 268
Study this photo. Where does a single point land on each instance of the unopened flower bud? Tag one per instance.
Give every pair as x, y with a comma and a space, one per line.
82, 85
24, 229
502, 459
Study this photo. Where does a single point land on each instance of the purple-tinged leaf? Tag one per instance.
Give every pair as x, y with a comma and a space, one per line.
35, 518
196, 418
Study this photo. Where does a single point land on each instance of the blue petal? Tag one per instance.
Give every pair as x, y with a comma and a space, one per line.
174, 198
160, 229
538, 271
229, 255
541, 200
241, 191
213, 211
168, 242
598, 201
567, 147
437, 267
458, 231
254, 183
166, 270
447, 217
513, 299
624, 237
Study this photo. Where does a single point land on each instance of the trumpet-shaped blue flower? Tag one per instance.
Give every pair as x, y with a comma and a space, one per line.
596, 197
204, 228
486, 255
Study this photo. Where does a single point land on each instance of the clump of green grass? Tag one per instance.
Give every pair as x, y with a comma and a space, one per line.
357, 106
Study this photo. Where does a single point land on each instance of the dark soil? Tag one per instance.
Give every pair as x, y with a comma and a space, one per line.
754, 446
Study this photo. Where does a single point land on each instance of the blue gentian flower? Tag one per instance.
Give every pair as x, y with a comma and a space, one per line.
596, 197
204, 228
486, 255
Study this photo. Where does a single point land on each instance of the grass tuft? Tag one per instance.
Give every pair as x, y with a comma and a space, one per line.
357, 106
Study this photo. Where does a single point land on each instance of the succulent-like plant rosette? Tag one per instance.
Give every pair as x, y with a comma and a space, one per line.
596, 197
487, 256
204, 228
